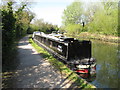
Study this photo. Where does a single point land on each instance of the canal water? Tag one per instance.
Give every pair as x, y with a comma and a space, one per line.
108, 65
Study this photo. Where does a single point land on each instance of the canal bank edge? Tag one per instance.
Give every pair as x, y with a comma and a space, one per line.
81, 83
86, 35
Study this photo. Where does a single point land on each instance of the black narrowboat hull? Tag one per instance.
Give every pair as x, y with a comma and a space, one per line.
75, 53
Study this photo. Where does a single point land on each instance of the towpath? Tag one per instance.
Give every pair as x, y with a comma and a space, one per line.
35, 72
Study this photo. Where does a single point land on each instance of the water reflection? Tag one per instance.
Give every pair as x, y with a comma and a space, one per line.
107, 64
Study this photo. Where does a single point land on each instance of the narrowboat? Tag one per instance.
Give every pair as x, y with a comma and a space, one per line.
75, 53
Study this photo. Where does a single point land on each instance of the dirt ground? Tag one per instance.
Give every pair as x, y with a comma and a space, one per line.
36, 72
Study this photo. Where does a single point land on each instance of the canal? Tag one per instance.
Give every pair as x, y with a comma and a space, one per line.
107, 69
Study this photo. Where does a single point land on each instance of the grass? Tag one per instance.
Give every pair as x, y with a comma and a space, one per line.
62, 68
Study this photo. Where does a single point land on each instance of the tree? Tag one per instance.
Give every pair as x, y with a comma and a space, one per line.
105, 20
72, 17
74, 29
8, 26
12, 22
72, 13
23, 19
90, 11
40, 25
8, 35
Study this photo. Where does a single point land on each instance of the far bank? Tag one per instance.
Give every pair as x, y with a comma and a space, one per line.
87, 35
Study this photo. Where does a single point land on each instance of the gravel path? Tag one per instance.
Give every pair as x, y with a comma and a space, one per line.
34, 71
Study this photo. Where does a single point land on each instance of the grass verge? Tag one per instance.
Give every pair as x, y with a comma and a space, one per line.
81, 83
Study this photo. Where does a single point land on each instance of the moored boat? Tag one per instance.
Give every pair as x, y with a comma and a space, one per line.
76, 53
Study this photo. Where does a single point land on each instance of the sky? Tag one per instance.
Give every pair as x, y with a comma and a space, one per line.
50, 12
